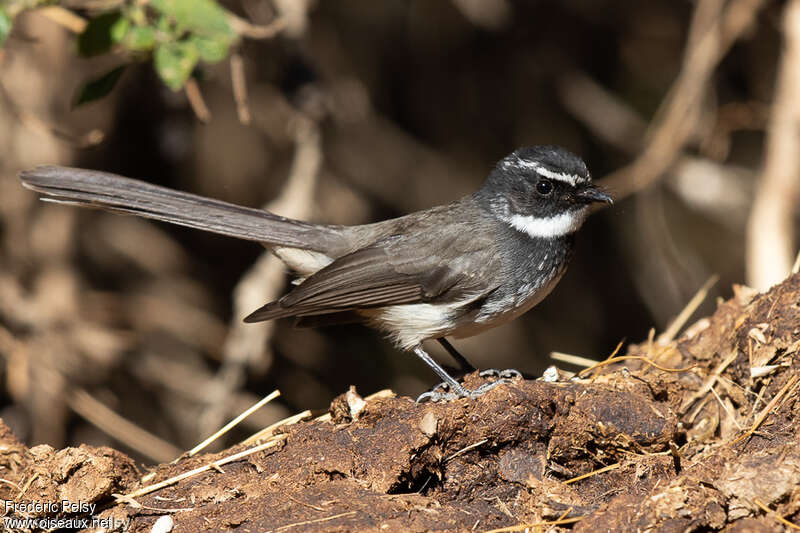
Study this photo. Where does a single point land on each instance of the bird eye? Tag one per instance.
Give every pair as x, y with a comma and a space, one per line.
544, 187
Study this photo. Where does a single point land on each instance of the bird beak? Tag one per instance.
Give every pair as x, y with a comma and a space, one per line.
592, 194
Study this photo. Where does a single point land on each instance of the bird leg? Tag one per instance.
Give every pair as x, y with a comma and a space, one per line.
450, 389
464, 365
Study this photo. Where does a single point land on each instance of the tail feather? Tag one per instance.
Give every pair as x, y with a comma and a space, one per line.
116, 193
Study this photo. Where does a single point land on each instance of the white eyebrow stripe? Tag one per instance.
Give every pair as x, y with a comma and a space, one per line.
549, 227
572, 179
525, 164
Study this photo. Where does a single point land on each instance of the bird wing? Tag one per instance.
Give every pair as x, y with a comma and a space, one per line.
394, 271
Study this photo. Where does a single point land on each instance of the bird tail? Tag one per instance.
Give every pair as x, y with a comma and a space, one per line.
90, 188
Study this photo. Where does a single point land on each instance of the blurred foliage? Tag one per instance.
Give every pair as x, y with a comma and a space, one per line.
175, 34
98, 87
5, 25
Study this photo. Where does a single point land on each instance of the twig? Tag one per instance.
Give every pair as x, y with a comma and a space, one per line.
11, 483
489, 14
524, 527
766, 411
770, 227
205, 468
617, 348
34, 123
759, 397
26, 486
466, 449
227, 427
725, 408
136, 505
775, 515
315, 521
121, 428
680, 110
634, 357
695, 179
239, 83
196, 101
576, 360
267, 431
593, 473
607, 116
255, 31
64, 17
676, 325
315, 507
702, 391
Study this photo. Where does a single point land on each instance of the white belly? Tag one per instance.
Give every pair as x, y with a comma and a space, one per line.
410, 324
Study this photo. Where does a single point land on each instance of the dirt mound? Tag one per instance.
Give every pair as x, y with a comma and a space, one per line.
693, 434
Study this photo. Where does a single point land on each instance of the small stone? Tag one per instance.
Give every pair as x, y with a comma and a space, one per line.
429, 424
163, 525
551, 374
355, 402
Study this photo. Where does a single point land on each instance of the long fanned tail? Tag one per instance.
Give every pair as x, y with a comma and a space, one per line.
115, 193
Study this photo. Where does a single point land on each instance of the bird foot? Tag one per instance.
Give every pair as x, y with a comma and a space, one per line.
508, 373
443, 392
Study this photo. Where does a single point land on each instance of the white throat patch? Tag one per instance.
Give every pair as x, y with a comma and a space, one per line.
549, 227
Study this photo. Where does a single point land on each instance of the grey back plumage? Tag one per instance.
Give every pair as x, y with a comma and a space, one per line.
402, 261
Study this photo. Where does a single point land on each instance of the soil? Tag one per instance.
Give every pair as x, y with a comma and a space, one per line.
704, 441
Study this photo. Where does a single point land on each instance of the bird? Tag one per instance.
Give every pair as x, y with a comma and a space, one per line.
453, 270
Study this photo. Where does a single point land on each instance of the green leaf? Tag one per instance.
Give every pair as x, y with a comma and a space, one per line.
211, 50
136, 14
164, 25
98, 87
174, 62
205, 17
96, 39
140, 39
5, 26
120, 29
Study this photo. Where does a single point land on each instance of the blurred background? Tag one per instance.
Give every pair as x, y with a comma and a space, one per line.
119, 331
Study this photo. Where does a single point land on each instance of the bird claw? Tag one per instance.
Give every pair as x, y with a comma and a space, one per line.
440, 387
508, 373
442, 392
